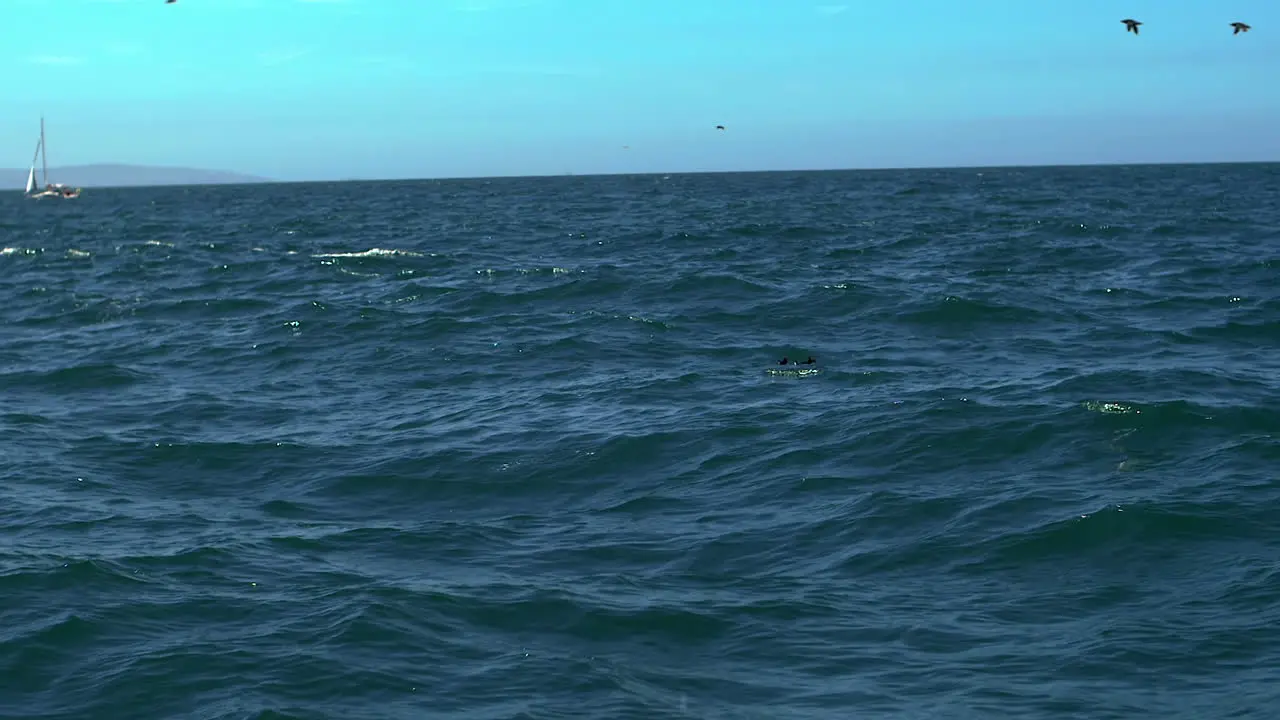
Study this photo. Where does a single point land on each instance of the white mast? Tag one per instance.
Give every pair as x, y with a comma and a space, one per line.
44, 155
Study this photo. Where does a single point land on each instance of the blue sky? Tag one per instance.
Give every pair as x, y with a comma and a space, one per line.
331, 89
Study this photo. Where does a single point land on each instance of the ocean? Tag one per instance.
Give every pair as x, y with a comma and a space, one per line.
521, 448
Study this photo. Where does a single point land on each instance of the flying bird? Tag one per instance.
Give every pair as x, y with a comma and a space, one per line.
1131, 26
719, 127
1239, 28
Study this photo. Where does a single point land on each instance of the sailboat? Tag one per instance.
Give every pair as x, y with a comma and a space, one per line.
49, 189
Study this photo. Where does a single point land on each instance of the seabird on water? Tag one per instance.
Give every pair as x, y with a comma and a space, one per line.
1131, 26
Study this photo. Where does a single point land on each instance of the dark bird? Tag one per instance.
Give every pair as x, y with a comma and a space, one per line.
1131, 26
719, 127
170, 2
1239, 28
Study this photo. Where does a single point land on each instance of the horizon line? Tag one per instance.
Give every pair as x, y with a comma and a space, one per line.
263, 180
793, 170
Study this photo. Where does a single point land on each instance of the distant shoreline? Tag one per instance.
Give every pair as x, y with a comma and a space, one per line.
119, 176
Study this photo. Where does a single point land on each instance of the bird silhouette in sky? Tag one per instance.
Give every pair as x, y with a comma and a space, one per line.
1131, 26
1239, 28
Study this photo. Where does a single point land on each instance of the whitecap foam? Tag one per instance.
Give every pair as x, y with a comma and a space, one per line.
371, 252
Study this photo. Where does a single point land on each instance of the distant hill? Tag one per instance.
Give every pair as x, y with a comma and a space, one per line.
126, 176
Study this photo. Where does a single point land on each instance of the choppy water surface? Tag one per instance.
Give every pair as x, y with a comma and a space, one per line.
513, 448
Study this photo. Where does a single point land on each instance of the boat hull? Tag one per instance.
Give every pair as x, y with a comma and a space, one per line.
64, 194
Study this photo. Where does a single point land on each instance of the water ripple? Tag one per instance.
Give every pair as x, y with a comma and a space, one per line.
521, 448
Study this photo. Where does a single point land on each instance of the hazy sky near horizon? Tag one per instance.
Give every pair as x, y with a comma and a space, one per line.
332, 89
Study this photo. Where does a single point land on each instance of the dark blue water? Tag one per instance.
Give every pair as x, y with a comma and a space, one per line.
519, 449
